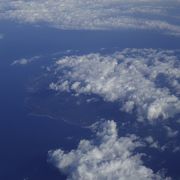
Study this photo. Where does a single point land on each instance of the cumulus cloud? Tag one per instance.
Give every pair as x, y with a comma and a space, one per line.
105, 157
130, 77
95, 14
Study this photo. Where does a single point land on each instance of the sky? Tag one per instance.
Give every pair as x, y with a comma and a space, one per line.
144, 82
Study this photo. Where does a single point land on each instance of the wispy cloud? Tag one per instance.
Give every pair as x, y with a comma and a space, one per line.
170, 132
1, 36
151, 142
96, 14
25, 61
105, 157
130, 77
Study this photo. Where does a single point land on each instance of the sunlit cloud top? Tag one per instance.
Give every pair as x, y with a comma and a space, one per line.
131, 77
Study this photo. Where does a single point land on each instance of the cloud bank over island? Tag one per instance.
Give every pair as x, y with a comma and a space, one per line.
142, 81
158, 15
107, 156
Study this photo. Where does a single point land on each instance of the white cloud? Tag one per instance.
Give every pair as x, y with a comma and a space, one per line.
152, 143
1, 36
21, 61
170, 132
107, 157
25, 61
129, 77
176, 149
95, 14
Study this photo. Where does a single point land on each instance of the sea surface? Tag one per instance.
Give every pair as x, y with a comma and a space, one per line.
28, 133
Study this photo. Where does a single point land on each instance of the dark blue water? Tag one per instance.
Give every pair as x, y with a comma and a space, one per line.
25, 139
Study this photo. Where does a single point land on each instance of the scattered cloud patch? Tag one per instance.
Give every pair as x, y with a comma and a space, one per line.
1, 36
21, 62
105, 157
170, 132
95, 14
25, 61
176, 149
151, 142
130, 77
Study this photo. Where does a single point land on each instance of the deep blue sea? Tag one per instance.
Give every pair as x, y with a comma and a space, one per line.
25, 139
